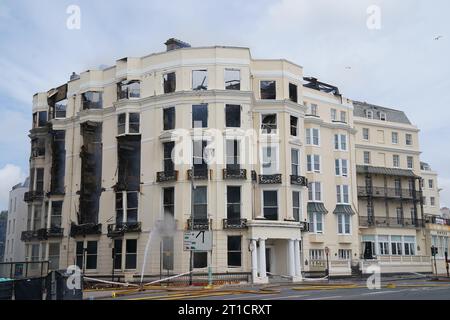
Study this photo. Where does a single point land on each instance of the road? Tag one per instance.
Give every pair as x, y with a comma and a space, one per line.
391, 290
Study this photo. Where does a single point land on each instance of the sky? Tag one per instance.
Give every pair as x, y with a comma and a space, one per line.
385, 55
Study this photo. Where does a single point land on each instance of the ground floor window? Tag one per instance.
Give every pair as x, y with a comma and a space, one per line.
117, 254
234, 251
410, 245
396, 245
345, 254
383, 245
86, 254
200, 259
167, 253
131, 254
316, 254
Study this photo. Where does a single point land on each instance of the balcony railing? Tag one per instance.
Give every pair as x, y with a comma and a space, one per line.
34, 235
119, 229
384, 222
166, 176
438, 220
85, 229
235, 223
393, 193
33, 196
270, 179
199, 174
55, 232
198, 224
299, 180
234, 174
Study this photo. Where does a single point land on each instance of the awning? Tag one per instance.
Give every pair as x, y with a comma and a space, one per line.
344, 209
316, 207
386, 171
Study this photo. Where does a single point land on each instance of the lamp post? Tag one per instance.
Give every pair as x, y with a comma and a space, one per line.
327, 252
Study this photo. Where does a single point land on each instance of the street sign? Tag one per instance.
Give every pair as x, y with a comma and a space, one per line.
197, 241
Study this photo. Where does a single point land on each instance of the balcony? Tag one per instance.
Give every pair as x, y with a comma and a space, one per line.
33, 196
390, 193
299, 181
119, 229
384, 222
234, 174
438, 220
232, 224
55, 232
85, 229
198, 224
166, 176
34, 235
199, 174
270, 179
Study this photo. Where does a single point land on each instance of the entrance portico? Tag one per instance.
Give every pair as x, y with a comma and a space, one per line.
275, 250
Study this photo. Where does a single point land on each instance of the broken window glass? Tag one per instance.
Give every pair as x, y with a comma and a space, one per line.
91, 255
119, 208
132, 206
269, 123
169, 82
233, 115
59, 112
293, 92
200, 259
268, 90
118, 254
37, 148
58, 162
199, 80
294, 126
200, 116
128, 89
92, 100
56, 215
232, 79
39, 179
169, 201
131, 254
129, 162
169, 118
42, 118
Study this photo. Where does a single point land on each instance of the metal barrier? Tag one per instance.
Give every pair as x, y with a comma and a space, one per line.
24, 269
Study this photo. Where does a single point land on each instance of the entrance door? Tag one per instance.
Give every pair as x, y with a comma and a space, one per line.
368, 250
268, 259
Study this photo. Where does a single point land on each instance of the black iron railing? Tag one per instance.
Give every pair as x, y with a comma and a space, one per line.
166, 176
199, 174
394, 193
299, 180
34, 235
270, 179
235, 223
234, 174
55, 232
198, 224
85, 229
119, 229
304, 226
391, 222
33, 196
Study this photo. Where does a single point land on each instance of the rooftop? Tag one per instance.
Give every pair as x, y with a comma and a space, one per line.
392, 115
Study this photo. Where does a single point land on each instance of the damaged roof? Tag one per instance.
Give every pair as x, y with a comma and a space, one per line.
392, 115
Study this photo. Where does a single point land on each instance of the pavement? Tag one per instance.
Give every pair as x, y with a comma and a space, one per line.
391, 289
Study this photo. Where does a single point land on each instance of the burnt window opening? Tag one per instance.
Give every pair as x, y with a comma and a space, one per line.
39, 180
293, 96
233, 202
91, 100
169, 118
129, 90
169, 166
128, 123
269, 123
200, 80
129, 163
91, 172
232, 79
233, 115
169, 202
58, 162
200, 116
126, 207
40, 119
268, 90
294, 126
57, 102
170, 82
38, 147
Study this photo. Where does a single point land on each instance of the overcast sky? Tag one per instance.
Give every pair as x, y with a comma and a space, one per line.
400, 65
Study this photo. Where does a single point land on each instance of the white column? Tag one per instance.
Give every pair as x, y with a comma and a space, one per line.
298, 264
262, 258
254, 260
49, 215
291, 258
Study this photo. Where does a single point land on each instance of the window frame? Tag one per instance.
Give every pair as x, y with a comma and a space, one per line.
267, 95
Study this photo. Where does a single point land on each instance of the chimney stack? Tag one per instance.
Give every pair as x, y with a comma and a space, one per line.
173, 44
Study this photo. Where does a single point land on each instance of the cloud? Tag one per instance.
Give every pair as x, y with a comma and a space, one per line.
10, 175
